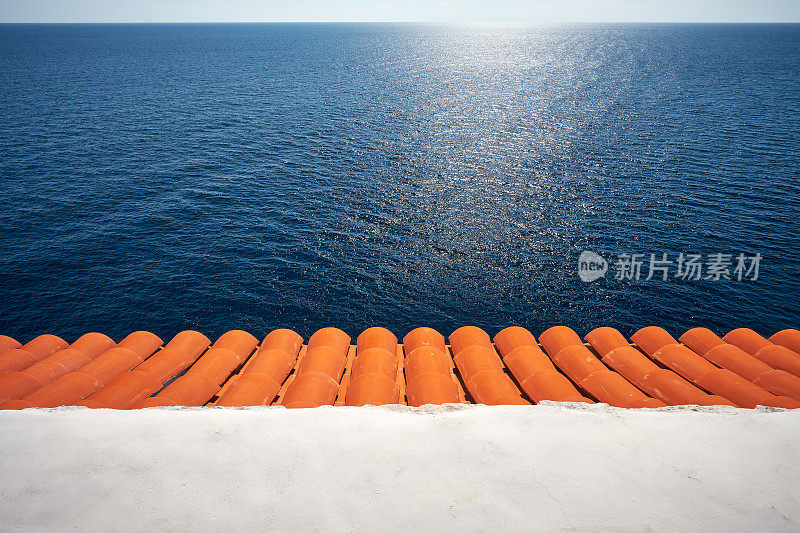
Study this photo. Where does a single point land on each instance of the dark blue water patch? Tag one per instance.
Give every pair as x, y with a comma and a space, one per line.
255, 176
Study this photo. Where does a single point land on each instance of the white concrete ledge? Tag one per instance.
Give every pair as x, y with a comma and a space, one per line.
465, 468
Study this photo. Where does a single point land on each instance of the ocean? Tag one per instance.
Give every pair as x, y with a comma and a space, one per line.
255, 176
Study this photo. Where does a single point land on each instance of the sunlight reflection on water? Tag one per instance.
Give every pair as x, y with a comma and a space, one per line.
257, 176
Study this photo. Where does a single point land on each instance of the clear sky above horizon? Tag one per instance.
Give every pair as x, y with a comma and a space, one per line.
530, 11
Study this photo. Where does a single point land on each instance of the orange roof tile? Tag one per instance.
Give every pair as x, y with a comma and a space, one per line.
30, 353
532, 368
429, 369
742, 369
742, 363
79, 353
7, 343
261, 378
205, 377
316, 381
662, 347
482, 369
569, 353
775, 355
373, 378
789, 338
77, 385
637, 368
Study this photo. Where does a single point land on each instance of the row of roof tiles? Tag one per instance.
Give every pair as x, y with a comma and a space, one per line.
741, 369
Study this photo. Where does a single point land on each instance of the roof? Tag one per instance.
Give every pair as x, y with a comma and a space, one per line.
652, 369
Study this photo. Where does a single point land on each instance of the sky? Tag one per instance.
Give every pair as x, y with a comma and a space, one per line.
530, 11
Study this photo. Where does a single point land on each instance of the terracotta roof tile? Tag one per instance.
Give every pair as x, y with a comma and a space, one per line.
261, 378
533, 370
8, 343
775, 355
568, 352
662, 347
429, 369
206, 376
74, 386
557, 338
742, 369
481, 368
423, 336
637, 368
30, 353
790, 338
736, 360
79, 353
373, 378
316, 381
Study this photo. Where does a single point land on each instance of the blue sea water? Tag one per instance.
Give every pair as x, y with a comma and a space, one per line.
211, 177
